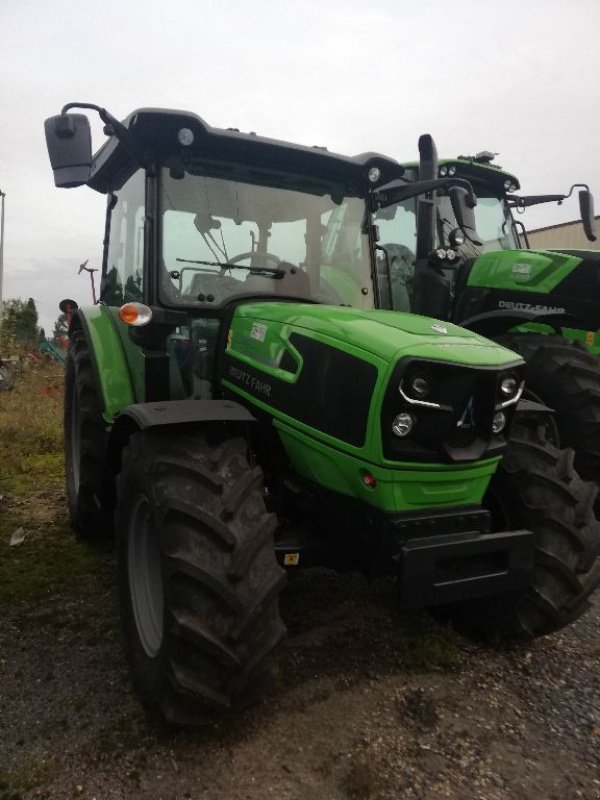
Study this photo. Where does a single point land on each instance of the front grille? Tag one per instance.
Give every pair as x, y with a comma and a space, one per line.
454, 418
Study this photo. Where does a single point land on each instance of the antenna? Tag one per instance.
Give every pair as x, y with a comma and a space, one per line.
91, 270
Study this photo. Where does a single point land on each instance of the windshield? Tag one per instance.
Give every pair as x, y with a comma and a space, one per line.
397, 228
225, 239
493, 221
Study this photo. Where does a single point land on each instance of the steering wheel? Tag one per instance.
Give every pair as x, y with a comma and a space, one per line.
253, 254
401, 260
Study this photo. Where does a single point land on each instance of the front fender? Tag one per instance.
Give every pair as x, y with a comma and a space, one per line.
113, 377
182, 412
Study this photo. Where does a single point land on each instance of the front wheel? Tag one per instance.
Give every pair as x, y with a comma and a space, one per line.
536, 488
198, 579
566, 377
85, 443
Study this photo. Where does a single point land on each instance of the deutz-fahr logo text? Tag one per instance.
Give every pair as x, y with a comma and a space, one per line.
514, 306
240, 376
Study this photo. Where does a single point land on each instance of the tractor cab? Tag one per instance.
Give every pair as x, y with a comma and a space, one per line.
200, 220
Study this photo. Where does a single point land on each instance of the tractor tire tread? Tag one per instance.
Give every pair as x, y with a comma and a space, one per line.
222, 580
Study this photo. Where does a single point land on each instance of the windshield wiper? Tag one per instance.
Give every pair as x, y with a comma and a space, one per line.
271, 272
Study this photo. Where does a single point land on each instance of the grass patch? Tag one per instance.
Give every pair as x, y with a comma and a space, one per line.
31, 422
429, 644
31, 775
50, 561
46, 565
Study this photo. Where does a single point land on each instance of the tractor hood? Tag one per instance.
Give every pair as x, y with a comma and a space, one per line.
261, 329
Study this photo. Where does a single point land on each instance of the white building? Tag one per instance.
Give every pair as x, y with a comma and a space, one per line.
569, 235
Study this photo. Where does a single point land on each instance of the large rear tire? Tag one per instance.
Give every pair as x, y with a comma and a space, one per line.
567, 378
85, 443
536, 488
198, 578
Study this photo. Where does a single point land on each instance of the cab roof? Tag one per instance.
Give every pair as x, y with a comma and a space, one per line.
155, 133
472, 169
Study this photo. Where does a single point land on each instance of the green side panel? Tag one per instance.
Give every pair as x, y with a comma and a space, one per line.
533, 271
133, 354
110, 360
590, 339
401, 487
261, 345
367, 333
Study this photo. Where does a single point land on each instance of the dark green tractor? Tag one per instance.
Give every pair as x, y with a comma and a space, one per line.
545, 305
237, 406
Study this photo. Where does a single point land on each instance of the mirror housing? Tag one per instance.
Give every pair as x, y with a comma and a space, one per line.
428, 171
586, 207
69, 142
462, 206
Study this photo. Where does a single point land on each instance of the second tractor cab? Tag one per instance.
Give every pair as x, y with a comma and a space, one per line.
544, 304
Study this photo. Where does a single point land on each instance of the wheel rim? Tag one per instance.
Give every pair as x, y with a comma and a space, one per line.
75, 441
145, 579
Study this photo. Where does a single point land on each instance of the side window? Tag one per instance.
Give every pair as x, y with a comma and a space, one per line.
397, 235
122, 280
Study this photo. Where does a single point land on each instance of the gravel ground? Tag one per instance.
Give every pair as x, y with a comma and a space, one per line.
369, 705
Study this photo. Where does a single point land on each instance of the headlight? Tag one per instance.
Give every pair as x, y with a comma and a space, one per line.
185, 136
507, 185
499, 422
452, 170
420, 386
443, 171
403, 424
509, 387
509, 390
374, 174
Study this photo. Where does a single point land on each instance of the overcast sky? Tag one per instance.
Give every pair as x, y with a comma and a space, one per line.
517, 78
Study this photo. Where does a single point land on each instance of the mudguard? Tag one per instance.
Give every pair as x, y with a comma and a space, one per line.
182, 412
113, 379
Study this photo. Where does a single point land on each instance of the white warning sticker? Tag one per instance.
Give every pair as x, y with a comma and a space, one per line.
258, 331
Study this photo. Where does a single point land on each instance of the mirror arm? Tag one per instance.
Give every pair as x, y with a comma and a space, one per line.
514, 201
395, 194
112, 127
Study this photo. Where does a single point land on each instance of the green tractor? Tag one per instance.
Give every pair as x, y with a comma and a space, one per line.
237, 406
545, 305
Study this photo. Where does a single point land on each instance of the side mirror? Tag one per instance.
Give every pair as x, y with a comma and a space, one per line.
586, 207
69, 141
428, 171
463, 208
428, 158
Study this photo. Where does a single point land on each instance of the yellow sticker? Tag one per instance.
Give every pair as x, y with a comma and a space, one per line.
590, 337
291, 559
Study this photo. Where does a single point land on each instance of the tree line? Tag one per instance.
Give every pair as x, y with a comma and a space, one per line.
19, 324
